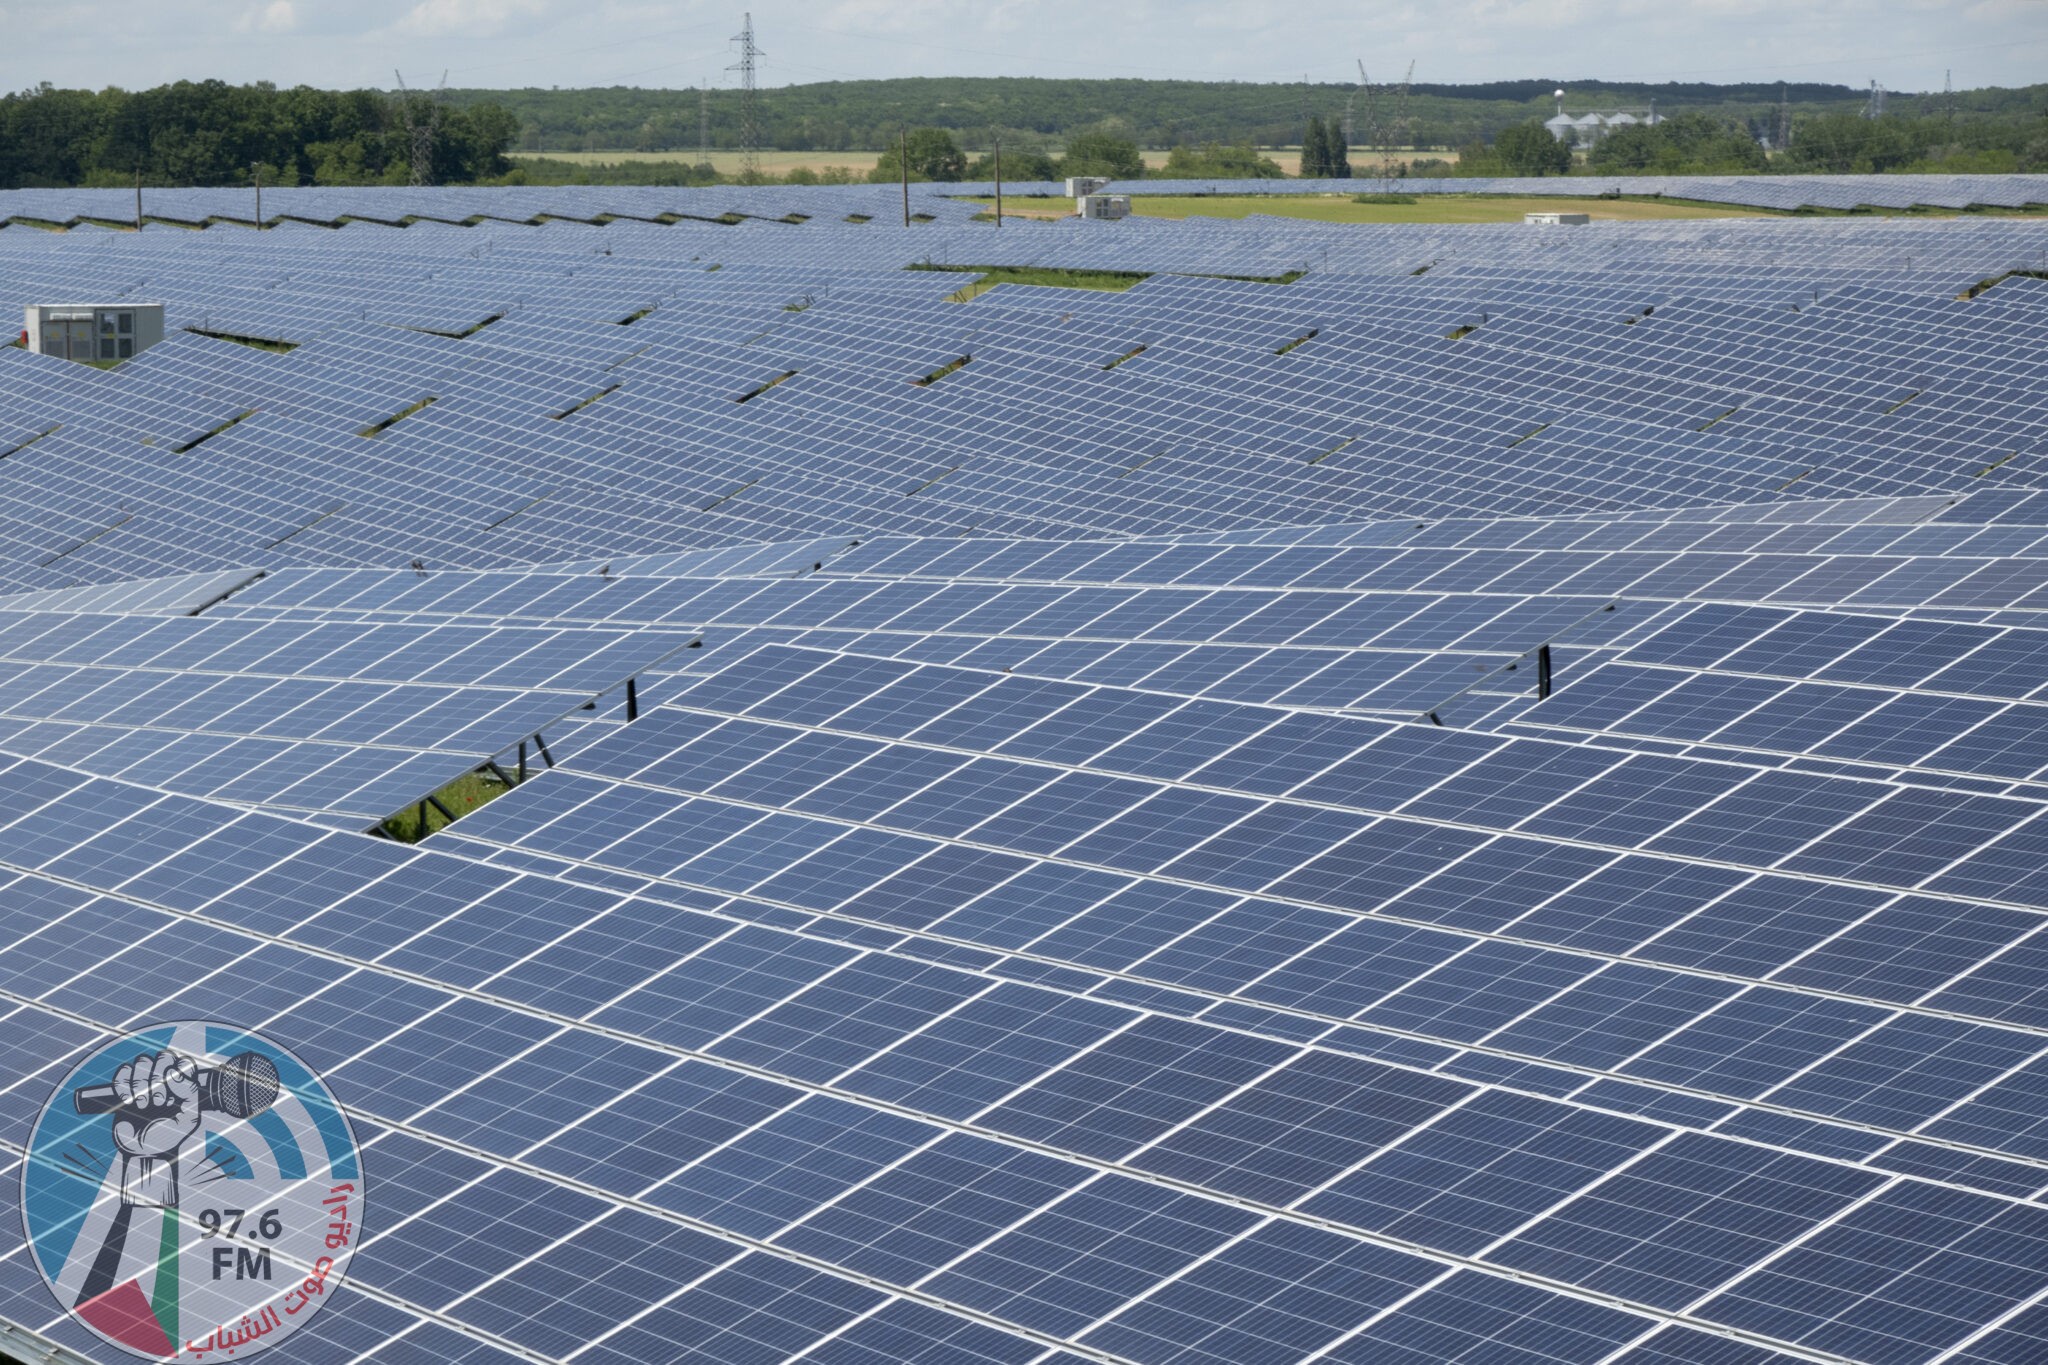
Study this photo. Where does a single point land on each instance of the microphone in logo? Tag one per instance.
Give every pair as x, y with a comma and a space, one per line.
241, 1087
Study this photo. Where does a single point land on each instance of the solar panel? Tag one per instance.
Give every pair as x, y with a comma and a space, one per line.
1480, 805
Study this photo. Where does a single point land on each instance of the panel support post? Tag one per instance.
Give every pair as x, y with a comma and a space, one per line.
542, 745
632, 699
435, 802
1542, 672
522, 760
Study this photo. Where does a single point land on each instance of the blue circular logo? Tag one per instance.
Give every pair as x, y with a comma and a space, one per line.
192, 1192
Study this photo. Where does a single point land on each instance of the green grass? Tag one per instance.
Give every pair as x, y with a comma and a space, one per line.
376, 429
461, 796
1424, 208
993, 275
1980, 286
1109, 280
258, 343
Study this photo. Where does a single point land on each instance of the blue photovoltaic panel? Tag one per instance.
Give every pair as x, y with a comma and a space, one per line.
1481, 805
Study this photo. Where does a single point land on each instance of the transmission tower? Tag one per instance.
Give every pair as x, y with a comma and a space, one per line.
704, 124
422, 125
1784, 138
1875, 107
750, 125
1948, 98
1386, 116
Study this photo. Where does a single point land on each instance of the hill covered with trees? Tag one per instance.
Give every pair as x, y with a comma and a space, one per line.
835, 116
211, 133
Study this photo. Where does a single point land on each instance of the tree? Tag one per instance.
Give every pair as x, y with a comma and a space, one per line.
1018, 166
1529, 149
932, 153
1849, 144
1102, 152
1340, 152
1315, 151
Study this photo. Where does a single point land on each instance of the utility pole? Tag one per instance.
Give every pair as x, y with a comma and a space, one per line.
750, 126
999, 187
704, 123
256, 169
138, 198
903, 164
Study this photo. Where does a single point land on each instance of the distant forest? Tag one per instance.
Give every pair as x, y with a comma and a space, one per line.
835, 116
211, 133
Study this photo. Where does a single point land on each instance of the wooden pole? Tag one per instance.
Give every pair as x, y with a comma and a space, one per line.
256, 169
903, 158
999, 183
138, 198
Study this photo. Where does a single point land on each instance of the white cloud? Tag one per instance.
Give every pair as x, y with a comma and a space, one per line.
467, 18
276, 17
1907, 44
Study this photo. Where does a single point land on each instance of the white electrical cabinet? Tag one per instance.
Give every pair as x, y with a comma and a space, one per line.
105, 332
1103, 205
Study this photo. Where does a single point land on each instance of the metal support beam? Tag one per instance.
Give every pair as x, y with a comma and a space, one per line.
435, 802
543, 747
632, 699
522, 760
498, 772
1542, 672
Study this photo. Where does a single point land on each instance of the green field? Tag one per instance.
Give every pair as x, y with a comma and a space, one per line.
724, 162
1427, 208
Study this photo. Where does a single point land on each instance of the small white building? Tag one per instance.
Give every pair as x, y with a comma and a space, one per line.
1556, 219
93, 331
1103, 206
1079, 185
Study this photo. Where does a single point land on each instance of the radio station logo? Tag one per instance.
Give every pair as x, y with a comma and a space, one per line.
192, 1192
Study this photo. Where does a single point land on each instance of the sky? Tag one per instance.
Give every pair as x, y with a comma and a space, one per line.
1905, 44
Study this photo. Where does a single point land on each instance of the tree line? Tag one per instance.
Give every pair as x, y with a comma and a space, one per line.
843, 116
213, 133
1695, 143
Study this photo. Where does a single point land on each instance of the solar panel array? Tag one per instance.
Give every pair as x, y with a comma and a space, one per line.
1478, 805
532, 205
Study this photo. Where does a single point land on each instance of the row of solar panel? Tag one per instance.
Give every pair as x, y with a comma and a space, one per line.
1163, 1095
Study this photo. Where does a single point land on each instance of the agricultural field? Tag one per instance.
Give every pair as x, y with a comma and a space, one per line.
724, 161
